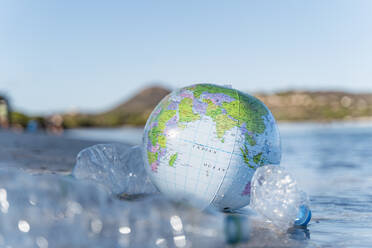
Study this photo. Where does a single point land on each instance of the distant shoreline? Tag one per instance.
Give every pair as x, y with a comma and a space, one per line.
288, 106
367, 120
353, 120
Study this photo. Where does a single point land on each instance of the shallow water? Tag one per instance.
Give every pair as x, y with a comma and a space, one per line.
128, 135
331, 162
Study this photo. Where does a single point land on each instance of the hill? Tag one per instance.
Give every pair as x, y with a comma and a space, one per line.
318, 105
135, 111
142, 103
286, 106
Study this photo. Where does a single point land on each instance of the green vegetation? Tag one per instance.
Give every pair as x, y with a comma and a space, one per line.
20, 119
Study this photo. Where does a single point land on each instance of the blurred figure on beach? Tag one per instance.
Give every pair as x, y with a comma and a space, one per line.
5, 119
54, 124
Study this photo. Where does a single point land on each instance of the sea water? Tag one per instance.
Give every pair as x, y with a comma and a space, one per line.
331, 162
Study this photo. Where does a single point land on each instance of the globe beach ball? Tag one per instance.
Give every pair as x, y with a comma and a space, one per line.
203, 143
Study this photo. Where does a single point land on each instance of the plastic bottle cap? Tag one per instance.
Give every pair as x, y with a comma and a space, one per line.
237, 229
303, 216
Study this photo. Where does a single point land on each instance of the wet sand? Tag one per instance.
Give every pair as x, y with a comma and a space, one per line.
40, 152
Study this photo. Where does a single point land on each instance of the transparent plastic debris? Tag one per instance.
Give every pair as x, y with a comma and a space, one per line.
156, 222
263, 234
119, 168
50, 211
276, 195
58, 211
304, 213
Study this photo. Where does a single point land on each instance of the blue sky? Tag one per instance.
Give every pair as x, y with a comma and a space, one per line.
90, 55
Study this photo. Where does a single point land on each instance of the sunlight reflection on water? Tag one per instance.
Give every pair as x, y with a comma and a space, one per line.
330, 161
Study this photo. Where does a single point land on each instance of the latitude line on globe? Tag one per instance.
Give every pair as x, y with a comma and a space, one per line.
215, 148
227, 169
211, 147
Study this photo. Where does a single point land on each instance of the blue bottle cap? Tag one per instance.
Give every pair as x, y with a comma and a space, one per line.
237, 229
303, 216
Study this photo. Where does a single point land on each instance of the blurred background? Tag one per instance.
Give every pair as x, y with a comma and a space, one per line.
74, 64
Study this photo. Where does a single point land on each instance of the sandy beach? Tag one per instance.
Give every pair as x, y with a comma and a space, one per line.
40, 152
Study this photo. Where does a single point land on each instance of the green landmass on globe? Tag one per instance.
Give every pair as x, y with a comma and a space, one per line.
243, 110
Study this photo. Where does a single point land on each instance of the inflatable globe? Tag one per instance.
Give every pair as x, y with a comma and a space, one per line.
203, 143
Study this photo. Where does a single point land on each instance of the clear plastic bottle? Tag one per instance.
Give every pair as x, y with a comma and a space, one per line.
57, 211
304, 213
119, 168
277, 197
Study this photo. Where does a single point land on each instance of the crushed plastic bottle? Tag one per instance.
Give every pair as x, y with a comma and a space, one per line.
277, 197
57, 211
304, 213
119, 168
